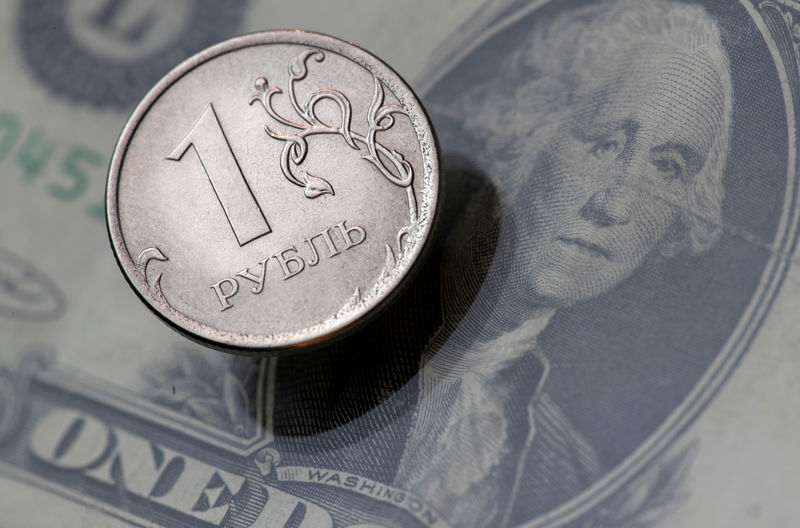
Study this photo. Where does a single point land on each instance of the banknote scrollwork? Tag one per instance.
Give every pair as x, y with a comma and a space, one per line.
649, 498
14, 388
266, 459
26, 293
194, 387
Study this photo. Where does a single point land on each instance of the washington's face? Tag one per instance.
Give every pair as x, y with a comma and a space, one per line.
609, 188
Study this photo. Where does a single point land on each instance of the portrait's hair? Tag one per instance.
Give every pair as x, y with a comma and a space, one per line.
565, 60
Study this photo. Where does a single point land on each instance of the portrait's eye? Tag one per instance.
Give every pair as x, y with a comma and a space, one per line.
606, 149
669, 168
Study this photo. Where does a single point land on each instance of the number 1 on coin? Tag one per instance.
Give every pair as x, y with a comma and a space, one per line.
208, 139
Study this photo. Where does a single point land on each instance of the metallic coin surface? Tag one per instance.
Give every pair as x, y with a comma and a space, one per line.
273, 191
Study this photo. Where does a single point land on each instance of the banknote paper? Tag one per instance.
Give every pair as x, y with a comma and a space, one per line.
602, 336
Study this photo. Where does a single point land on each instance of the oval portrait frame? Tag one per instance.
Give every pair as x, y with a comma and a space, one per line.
770, 18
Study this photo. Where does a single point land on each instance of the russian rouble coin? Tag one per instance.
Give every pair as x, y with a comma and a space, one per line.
273, 191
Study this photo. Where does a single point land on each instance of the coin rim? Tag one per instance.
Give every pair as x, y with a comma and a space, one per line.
303, 338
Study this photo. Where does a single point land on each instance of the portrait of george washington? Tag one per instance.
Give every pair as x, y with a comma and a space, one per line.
605, 133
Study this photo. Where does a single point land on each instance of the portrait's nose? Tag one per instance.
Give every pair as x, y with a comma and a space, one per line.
610, 206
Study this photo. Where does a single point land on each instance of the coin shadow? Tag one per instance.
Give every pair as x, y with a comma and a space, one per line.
355, 386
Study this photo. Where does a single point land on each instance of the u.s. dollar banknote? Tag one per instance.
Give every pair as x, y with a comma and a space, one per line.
602, 335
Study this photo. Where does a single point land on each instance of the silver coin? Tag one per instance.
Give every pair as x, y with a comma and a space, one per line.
273, 191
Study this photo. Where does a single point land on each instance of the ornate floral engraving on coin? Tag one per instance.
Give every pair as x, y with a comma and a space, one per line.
215, 259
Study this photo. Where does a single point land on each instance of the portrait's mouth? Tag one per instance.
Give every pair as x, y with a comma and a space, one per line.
586, 247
